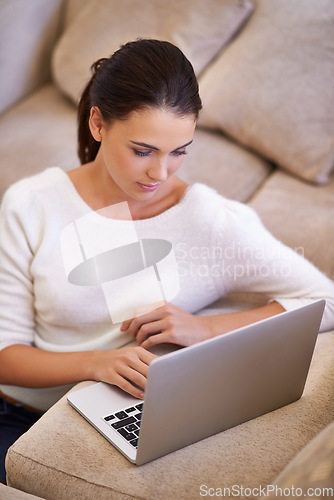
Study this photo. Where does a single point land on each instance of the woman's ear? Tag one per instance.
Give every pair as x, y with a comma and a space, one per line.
95, 123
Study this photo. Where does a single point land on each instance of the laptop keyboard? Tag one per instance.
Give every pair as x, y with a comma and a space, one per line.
127, 423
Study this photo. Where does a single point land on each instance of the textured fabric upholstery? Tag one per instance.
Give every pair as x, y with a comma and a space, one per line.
200, 29
267, 128
308, 215
270, 89
7, 493
25, 52
239, 171
312, 470
72, 460
47, 136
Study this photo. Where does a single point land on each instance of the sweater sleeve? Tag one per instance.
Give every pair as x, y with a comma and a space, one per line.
254, 261
17, 215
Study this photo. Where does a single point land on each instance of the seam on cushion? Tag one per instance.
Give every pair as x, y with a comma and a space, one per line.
109, 489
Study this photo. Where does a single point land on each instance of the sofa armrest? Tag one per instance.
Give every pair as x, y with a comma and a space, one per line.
311, 471
72, 460
28, 32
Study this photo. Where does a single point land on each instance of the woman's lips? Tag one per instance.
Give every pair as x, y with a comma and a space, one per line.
148, 187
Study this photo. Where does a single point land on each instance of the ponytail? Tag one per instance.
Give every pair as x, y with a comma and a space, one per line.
87, 145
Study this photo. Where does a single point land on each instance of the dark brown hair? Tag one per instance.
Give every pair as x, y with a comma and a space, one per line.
141, 74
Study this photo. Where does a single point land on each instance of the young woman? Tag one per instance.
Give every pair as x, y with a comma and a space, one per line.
137, 118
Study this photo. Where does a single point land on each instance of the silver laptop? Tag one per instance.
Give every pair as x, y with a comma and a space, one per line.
197, 391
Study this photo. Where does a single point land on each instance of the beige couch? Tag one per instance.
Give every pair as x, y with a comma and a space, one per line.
265, 137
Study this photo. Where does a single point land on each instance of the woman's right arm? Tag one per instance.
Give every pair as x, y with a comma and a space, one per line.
28, 366
22, 364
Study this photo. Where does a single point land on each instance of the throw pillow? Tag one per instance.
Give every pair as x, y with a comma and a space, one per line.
272, 90
199, 28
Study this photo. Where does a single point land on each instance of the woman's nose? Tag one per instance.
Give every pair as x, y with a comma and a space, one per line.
158, 171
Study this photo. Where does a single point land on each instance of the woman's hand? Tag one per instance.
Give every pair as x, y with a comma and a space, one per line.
29, 366
171, 324
168, 324
122, 366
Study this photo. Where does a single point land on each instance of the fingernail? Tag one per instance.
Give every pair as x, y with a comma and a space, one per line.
142, 395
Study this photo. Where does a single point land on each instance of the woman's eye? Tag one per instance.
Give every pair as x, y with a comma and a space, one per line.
179, 152
138, 152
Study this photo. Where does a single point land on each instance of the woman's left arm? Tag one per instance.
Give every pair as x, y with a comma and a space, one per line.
170, 324
260, 264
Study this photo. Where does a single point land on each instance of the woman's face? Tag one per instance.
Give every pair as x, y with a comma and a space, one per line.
142, 152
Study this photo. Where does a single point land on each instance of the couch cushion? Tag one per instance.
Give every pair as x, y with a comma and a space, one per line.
72, 460
37, 133
312, 470
271, 88
7, 493
300, 215
199, 28
229, 168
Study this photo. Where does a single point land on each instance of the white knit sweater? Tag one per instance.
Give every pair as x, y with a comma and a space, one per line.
220, 245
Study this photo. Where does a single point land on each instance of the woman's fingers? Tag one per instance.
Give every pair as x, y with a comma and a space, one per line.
127, 368
150, 329
169, 324
128, 387
159, 338
134, 324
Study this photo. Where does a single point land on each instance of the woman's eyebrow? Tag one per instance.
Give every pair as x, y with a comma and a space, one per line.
184, 145
144, 145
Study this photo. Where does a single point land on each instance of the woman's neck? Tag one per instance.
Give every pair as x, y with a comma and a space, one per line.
94, 187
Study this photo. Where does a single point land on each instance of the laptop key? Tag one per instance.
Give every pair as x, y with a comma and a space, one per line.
134, 443
109, 417
127, 435
121, 415
123, 423
140, 406
130, 410
131, 427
